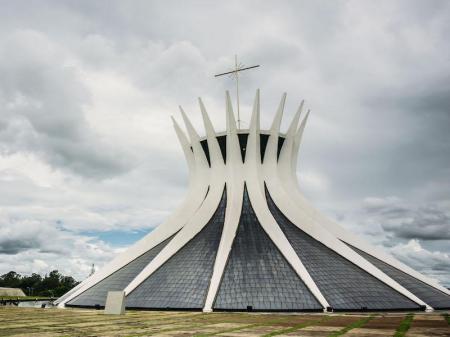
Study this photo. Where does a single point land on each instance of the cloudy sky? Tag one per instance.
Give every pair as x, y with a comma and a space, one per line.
89, 162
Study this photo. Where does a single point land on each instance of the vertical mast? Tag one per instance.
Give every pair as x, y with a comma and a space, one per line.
237, 91
235, 72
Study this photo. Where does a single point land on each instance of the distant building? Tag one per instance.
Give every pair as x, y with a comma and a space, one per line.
11, 292
247, 239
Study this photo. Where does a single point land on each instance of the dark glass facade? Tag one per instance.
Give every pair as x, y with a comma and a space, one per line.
344, 285
96, 295
243, 137
183, 281
257, 276
430, 295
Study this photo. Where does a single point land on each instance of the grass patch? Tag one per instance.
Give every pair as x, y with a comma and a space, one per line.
228, 330
354, 325
294, 328
404, 326
192, 324
447, 318
243, 327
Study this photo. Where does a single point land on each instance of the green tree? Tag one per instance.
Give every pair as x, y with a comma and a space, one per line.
32, 285
66, 283
50, 283
10, 280
53, 284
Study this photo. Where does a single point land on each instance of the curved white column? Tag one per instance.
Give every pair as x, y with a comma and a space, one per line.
235, 193
215, 156
255, 187
307, 220
200, 218
191, 229
289, 180
198, 185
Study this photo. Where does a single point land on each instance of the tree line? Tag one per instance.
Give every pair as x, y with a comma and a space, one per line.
52, 284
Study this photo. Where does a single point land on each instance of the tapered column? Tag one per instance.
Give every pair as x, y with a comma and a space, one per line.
235, 192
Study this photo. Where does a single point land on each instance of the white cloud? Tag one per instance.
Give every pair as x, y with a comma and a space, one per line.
37, 247
435, 264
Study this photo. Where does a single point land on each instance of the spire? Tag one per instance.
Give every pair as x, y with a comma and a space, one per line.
286, 151
253, 153
275, 128
199, 154
254, 122
180, 134
209, 128
193, 135
301, 129
231, 122
297, 141
272, 145
233, 147
293, 127
213, 145
184, 145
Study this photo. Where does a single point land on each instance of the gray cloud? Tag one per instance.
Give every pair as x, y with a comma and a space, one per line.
87, 88
408, 222
434, 264
42, 108
9, 247
40, 246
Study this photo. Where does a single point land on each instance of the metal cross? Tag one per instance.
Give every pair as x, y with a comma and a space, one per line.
235, 73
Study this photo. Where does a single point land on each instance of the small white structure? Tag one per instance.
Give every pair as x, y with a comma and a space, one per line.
11, 292
245, 238
115, 303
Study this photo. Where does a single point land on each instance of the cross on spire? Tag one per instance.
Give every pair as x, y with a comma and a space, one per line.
235, 73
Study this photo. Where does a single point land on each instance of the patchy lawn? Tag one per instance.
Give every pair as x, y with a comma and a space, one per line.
30, 322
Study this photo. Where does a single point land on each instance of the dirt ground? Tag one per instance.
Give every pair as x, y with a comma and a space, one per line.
30, 322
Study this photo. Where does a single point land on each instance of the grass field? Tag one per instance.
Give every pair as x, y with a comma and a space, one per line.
28, 322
